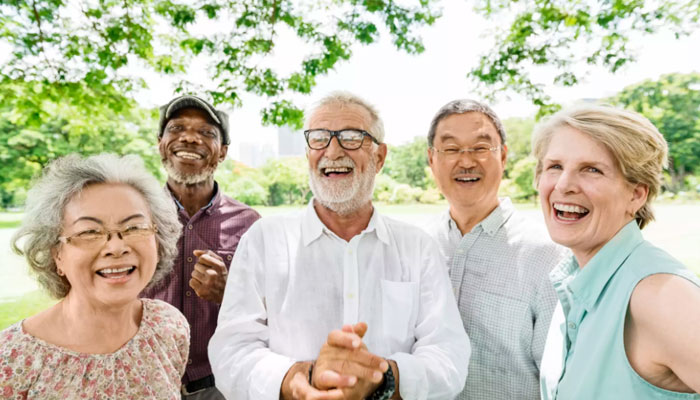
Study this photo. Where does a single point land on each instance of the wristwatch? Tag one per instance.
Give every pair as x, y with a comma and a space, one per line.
386, 389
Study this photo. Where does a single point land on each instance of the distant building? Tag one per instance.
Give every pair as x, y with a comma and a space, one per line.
255, 154
289, 144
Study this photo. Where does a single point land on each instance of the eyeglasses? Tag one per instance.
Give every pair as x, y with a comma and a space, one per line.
349, 139
91, 238
479, 152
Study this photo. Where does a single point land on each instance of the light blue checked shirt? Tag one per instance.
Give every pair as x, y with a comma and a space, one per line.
499, 274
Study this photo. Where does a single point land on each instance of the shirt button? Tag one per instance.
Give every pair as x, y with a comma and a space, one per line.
228, 257
188, 293
351, 295
190, 227
189, 259
572, 325
189, 362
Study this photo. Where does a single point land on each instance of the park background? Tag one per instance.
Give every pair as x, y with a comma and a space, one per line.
87, 76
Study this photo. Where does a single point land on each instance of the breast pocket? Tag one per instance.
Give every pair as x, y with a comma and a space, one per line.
399, 311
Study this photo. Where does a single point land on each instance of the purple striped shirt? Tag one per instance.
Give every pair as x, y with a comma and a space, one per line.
217, 227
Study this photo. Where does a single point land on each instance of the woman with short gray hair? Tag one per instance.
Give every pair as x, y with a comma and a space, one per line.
96, 232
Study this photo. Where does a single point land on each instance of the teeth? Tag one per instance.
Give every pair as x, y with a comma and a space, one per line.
336, 169
114, 270
467, 179
188, 155
569, 208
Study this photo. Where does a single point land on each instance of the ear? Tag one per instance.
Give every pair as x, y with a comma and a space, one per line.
504, 156
380, 153
56, 253
430, 153
222, 152
640, 192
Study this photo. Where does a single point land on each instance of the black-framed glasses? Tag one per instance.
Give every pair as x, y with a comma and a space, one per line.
94, 237
478, 152
349, 139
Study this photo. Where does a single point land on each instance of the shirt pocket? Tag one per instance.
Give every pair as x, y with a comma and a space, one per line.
399, 311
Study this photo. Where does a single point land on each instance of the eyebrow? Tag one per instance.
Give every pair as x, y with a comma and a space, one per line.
448, 136
99, 221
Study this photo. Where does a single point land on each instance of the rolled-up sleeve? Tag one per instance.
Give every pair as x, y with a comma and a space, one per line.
438, 364
243, 365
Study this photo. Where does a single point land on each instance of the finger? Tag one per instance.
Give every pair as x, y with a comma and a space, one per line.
332, 379
340, 338
200, 274
360, 329
196, 285
209, 261
303, 391
351, 368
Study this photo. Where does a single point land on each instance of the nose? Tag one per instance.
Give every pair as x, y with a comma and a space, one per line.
189, 136
466, 160
334, 151
116, 247
566, 182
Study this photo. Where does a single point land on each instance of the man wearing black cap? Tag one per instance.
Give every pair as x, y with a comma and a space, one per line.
193, 139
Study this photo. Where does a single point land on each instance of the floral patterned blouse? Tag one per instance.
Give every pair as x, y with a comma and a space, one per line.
148, 366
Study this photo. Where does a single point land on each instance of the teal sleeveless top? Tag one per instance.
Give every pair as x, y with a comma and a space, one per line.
592, 363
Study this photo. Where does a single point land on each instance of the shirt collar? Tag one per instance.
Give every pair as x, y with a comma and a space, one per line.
588, 286
493, 222
312, 227
215, 199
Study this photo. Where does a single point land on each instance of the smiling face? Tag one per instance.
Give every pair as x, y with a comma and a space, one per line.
470, 185
116, 272
584, 196
190, 147
343, 180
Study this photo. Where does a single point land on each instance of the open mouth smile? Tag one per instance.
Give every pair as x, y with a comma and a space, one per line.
336, 171
188, 155
569, 212
116, 273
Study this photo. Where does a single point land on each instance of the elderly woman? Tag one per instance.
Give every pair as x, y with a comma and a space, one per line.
96, 232
631, 313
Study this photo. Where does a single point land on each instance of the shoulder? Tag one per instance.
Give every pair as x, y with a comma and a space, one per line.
662, 299
405, 231
531, 235
22, 358
234, 207
163, 318
10, 337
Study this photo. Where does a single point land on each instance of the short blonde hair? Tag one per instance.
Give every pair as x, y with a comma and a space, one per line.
641, 152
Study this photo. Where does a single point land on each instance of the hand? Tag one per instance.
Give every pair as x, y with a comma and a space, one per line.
344, 357
209, 276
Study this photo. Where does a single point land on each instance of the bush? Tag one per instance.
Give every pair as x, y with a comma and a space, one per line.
404, 193
248, 191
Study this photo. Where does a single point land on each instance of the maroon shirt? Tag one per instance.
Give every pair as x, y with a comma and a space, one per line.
217, 227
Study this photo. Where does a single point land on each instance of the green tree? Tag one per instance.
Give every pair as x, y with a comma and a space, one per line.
557, 37
518, 135
288, 180
407, 163
101, 42
672, 104
37, 125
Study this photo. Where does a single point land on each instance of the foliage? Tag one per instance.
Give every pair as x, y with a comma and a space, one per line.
101, 43
518, 135
672, 104
288, 180
407, 163
554, 38
41, 121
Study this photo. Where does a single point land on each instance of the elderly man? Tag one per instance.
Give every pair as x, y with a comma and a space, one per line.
337, 301
193, 139
498, 260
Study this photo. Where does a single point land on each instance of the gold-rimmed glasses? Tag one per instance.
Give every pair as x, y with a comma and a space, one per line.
95, 237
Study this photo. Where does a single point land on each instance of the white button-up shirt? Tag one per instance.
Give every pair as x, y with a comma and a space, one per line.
292, 281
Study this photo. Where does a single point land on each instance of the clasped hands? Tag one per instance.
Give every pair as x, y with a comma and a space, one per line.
344, 369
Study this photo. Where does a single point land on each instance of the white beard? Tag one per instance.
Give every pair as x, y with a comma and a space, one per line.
341, 196
187, 179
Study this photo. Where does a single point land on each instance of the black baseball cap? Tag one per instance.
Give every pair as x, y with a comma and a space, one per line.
188, 101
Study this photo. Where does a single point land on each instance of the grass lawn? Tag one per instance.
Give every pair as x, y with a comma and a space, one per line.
675, 230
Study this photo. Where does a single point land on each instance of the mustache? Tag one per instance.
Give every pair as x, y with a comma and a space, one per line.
344, 161
467, 171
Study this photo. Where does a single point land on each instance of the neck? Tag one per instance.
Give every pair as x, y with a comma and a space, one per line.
193, 197
346, 226
96, 329
467, 217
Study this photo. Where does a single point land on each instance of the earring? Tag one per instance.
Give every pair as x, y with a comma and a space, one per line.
60, 272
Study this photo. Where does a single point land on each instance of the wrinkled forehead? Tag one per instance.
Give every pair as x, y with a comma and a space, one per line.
468, 127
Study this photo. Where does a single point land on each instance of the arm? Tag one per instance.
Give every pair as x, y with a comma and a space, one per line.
244, 366
436, 367
662, 330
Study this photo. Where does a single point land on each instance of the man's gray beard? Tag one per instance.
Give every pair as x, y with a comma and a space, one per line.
341, 197
187, 179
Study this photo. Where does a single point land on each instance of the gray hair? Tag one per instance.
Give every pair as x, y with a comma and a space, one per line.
342, 98
66, 177
463, 106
